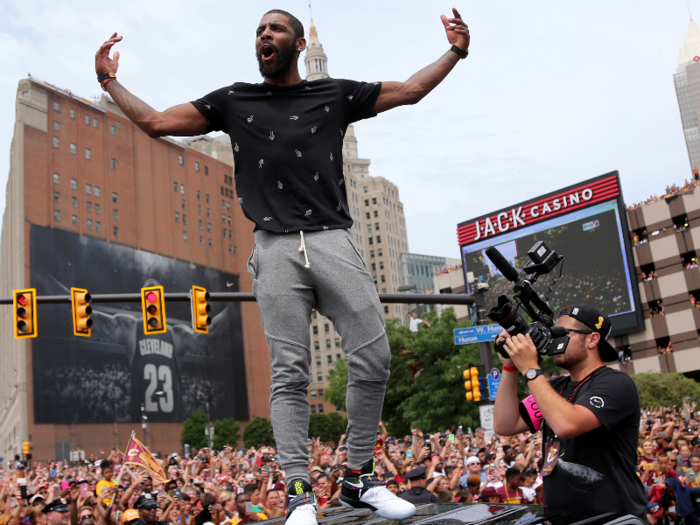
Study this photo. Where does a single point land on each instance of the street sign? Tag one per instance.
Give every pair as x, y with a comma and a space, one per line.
494, 379
486, 416
477, 334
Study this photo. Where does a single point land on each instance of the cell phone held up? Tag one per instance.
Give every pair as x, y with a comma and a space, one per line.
248, 507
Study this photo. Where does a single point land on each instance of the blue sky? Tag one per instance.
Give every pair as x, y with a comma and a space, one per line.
551, 94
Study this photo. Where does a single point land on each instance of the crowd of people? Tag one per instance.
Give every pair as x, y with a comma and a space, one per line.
671, 191
230, 487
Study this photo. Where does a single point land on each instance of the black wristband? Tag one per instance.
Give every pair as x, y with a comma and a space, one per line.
461, 53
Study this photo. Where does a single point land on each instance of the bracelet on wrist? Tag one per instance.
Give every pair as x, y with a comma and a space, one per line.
507, 368
461, 53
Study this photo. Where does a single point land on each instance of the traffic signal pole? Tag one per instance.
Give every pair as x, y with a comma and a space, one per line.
485, 347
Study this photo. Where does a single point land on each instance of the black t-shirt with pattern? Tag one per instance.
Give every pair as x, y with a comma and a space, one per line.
288, 148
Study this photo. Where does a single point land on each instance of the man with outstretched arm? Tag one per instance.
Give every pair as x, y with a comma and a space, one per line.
287, 138
589, 419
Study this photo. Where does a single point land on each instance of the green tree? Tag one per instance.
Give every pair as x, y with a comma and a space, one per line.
226, 433
258, 432
329, 427
193, 430
338, 384
665, 389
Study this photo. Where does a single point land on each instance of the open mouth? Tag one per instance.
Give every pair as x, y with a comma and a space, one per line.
267, 52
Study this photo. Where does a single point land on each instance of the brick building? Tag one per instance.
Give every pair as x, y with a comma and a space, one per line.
82, 167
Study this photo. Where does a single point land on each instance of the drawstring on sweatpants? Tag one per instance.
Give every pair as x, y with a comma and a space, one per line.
302, 248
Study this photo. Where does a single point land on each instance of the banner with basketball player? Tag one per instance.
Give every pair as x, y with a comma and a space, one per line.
120, 373
138, 454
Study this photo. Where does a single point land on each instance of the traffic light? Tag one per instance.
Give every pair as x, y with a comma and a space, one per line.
25, 447
200, 310
24, 302
153, 306
80, 299
696, 175
472, 384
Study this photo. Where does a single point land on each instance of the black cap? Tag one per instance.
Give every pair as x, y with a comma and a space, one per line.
57, 505
146, 501
596, 321
696, 440
416, 473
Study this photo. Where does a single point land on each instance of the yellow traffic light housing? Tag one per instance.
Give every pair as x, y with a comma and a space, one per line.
80, 300
24, 305
200, 310
153, 307
25, 447
472, 384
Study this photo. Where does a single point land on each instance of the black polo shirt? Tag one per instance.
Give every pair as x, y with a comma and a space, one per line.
418, 495
287, 145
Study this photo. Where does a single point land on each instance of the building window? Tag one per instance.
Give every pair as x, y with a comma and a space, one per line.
56, 215
209, 227
337, 342
89, 206
319, 378
74, 202
328, 344
313, 409
206, 170
379, 252
209, 213
184, 219
97, 209
370, 240
379, 239
180, 159
313, 314
56, 196
116, 231
374, 200
119, 125
376, 226
199, 210
381, 265
55, 142
196, 166
315, 330
177, 217
89, 224
329, 358
374, 267
208, 199
210, 243
201, 225
327, 328
113, 163
376, 213
383, 279
87, 119
364, 188
74, 220
175, 186
182, 189
73, 184
115, 197
115, 214
313, 394
56, 178
88, 189
184, 235
98, 226
72, 113
183, 204
57, 125
112, 130
201, 240
386, 309
94, 123
97, 191
318, 361
88, 153
199, 195
57, 106
73, 149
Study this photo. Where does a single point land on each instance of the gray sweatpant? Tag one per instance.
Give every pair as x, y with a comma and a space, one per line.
338, 285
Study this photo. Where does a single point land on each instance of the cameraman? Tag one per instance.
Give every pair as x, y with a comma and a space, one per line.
589, 420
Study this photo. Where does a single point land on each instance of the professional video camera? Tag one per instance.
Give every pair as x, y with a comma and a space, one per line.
549, 339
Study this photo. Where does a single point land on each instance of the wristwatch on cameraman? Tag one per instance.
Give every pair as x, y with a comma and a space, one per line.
532, 373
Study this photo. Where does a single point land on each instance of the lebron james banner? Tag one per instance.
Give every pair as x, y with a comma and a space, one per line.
120, 372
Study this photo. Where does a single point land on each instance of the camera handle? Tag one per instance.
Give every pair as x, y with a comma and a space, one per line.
528, 297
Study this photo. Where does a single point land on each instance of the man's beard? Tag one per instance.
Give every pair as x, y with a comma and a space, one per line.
281, 66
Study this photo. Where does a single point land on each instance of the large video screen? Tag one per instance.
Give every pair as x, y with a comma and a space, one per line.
113, 374
596, 270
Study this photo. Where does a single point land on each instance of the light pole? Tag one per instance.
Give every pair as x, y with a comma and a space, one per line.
144, 418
